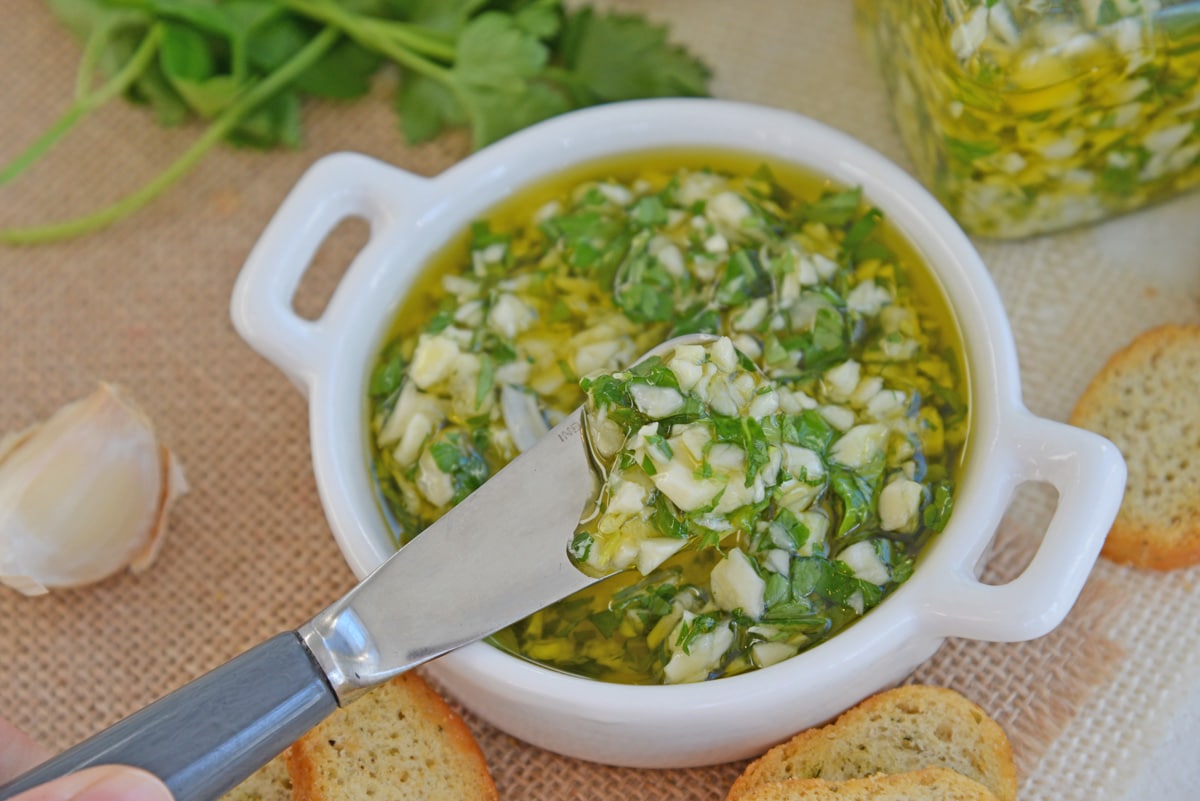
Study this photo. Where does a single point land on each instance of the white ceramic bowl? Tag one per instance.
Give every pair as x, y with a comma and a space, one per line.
676, 726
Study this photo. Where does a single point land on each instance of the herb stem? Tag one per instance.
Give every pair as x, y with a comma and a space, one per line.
381, 37
100, 38
137, 64
421, 40
254, 96
92, 51
47, 140
85, 102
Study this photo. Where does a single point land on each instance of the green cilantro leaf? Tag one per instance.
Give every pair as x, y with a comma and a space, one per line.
494, 52
344, 73
623, 57
494, 66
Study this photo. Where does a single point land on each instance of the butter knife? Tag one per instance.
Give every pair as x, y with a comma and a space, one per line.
498, 556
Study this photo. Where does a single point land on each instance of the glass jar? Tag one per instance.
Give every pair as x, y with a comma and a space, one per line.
1030, 116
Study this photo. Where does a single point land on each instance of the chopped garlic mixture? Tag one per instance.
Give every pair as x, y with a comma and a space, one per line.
765, 490
1027, 116
691, 435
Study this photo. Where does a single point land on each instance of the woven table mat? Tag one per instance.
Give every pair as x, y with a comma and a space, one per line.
145, 304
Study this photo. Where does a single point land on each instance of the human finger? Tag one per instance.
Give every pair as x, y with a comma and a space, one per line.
102, 783
18, 751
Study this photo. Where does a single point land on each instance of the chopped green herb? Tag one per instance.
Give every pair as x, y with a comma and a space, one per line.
458, 457
835, 208
937, 513
387, 376
809, 430
743, 280
487, 379
689, 631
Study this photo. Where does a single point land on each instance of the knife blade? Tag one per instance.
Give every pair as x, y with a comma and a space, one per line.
498, 556
494, 559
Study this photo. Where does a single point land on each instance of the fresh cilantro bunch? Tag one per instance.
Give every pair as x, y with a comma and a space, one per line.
245, 67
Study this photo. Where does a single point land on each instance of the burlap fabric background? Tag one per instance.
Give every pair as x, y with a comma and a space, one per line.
145, 304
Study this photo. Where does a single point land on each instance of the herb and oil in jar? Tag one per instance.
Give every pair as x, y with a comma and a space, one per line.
754, 535
1030, 116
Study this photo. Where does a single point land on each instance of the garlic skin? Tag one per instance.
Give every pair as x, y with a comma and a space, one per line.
84, 494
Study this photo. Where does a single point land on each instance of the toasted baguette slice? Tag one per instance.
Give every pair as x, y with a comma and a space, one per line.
1146, 399
897, 731
930, 784
271, 782
400, 742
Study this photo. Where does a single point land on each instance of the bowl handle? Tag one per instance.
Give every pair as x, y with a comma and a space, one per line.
1089, 474
336, 187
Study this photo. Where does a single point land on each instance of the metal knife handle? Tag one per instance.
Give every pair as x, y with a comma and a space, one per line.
209, 735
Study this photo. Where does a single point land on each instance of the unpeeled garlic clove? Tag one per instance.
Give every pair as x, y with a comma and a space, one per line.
84, 494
